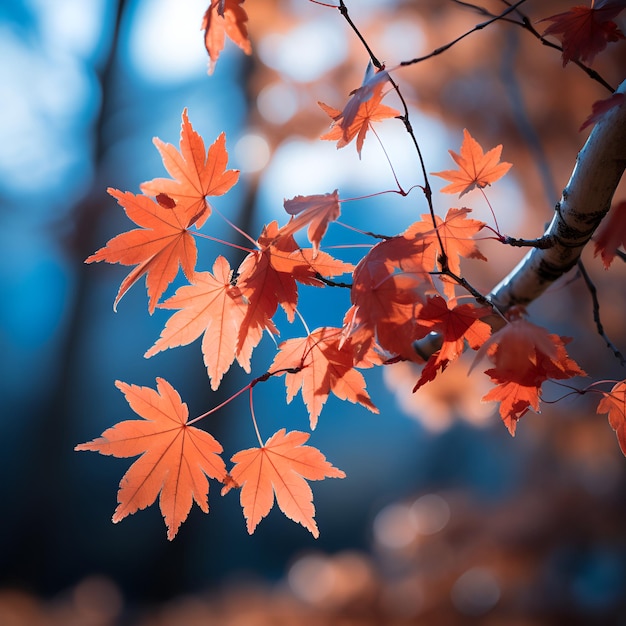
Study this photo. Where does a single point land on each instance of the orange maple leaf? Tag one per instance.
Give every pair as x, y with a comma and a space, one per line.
197, 174
279, 468
456, 233
476, 169
313, 211
585, 31
175, 458
363, 108
321, 363
525, 356
158, 248
456, 324
612, 234
614, 403
210, 305
225, 18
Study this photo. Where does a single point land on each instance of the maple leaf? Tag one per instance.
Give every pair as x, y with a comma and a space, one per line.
321, 363
175, 460
315, 211
158, 248
585, 31
614, 403
456, 233
225, 18
612, 234
210, 305
456, 324
279, 469
267, 279
476, 169
363, 108
389, 287
197, 174
600, 107
525, 356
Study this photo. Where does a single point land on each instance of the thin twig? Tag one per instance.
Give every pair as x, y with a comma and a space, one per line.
478, 9
405, 120
476, 28
343, 9
332, 283
593, 292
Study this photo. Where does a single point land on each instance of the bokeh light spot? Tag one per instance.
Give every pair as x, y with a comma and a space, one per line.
475, 592
165, 44
312, 578
429, 514
393, 527
252, 153
307, 51
277, 102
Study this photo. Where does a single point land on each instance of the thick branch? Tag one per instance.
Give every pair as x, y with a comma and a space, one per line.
585, 201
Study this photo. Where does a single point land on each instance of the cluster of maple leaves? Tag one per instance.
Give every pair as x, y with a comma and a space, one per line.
402, 290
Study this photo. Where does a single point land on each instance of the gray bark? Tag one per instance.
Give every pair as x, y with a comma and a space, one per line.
585, 201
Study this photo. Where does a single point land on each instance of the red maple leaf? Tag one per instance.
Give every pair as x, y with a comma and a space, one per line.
158, 248
585, 31
280, 469
524, 357
267, 278
363, 108
389, 288
612, 234
210, 305
175, 458
321, 363
456, 324
225, 18
476, 169
614, 403
196, 174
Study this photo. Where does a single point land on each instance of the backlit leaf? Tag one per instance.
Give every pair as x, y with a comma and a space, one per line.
158, 248
175, 458
363, 108
225, 18
280, 469
476, 169
212, 306
321, 364
312, 211
524, 356
197, 173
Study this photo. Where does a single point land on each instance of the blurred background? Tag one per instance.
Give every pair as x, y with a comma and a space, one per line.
443, 517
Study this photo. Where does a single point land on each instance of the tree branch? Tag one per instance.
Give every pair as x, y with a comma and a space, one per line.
585, 201
583, 205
